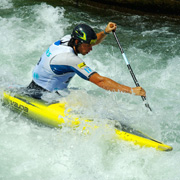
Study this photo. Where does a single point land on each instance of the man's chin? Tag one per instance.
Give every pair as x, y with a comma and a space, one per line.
84, 53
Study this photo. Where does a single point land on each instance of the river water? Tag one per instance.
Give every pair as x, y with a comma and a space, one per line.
151, 44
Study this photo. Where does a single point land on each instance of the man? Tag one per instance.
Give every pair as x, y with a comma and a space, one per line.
60, 63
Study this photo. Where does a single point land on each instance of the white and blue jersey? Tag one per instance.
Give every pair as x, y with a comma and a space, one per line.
58, 65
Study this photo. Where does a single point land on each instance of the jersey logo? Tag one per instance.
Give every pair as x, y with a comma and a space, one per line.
88, 70
48, 53
81, 65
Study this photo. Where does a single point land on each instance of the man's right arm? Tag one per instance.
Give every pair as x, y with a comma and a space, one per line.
109, 84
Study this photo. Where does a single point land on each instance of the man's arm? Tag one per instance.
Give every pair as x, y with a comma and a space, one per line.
109, 84
101, 35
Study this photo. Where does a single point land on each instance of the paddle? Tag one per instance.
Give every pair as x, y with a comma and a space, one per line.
130, 70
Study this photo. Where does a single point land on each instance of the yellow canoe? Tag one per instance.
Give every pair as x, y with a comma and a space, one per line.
58, 115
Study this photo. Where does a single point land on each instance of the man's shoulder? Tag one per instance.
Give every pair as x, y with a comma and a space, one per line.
61, 45
66, 38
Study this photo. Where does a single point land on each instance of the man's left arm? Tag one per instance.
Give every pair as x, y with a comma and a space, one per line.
101, 35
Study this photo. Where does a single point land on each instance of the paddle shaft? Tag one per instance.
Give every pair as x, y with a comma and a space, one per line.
130, 69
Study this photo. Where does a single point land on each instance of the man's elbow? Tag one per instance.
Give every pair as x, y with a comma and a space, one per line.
97, 79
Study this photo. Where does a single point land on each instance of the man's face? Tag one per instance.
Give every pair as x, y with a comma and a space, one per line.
84, 48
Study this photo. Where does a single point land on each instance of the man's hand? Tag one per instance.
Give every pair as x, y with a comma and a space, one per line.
110, 27
139, 91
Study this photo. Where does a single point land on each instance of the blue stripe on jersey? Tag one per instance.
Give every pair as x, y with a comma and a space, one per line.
57, 43
79, 73
61, 69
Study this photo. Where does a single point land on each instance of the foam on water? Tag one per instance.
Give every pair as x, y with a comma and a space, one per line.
30, 151
26, 33
6, 4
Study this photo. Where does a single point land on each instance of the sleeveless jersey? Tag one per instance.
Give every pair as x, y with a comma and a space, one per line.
58, 65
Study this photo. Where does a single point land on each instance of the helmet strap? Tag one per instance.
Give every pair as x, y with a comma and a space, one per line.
73, 44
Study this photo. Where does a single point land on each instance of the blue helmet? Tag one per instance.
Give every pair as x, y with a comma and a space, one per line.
84, 33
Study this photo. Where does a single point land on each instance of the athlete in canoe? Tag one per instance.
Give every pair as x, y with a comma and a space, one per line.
60, 62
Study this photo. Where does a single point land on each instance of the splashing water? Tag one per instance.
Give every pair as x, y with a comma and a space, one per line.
28, 151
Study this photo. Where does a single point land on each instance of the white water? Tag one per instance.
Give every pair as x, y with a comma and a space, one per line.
151, 44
